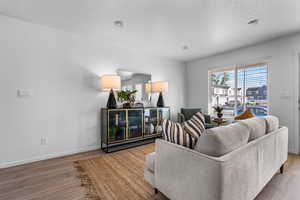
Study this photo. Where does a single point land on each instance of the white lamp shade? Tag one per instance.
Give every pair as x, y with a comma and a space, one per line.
110, 82
160, 86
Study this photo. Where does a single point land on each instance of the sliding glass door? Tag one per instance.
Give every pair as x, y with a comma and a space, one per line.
239, 88
222, 90
253, 82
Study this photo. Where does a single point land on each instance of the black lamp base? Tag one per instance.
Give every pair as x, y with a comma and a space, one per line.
160, 101
111, 103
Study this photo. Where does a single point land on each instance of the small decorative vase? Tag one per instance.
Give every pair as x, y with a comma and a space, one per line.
151, 128
158, 129
132, 100
220, 115
127, 105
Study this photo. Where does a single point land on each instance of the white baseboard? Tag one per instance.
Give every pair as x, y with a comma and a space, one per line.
56, 155
293, 151
48, 156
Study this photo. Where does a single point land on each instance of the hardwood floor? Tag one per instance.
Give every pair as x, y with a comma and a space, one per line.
284, 186
118, 176
53, 179
56, 179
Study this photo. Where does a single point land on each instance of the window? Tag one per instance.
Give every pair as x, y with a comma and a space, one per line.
223, 90
239, 88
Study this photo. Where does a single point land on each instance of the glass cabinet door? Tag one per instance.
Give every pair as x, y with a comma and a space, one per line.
135, 123
116, 125
150, 123
163, 113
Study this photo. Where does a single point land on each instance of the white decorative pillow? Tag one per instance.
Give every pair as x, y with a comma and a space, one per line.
174, 133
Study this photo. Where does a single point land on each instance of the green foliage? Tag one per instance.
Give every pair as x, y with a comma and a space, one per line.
125, 95
225, 78
214, 79
220, 79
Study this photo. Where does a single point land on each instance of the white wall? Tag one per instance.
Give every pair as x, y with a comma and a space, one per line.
62, 70
283, 78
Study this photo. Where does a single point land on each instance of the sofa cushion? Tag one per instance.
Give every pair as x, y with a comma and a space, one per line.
257, 127
174, 133
272, 123
195, 126
150, 160
221, 140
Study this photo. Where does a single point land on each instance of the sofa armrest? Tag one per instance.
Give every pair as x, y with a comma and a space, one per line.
182, 173
207, 119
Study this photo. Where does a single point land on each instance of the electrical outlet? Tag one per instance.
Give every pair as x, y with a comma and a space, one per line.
43, 141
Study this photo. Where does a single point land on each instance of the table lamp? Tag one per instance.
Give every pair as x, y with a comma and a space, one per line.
160, 86
148, 87
111, 82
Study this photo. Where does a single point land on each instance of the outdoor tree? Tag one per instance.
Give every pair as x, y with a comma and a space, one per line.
225, 78
214, 79
220, 79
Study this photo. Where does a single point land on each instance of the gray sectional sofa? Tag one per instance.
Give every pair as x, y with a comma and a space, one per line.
182, 173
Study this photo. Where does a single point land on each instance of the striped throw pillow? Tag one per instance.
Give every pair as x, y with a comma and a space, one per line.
195, 126
174, 133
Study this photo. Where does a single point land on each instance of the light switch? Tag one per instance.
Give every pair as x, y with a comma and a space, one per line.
25, 93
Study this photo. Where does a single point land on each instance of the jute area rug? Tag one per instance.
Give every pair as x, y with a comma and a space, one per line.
118, 175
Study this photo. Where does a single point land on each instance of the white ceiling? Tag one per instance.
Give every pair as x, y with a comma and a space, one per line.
162, 27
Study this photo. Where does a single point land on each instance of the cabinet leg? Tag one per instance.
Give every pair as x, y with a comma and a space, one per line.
281, 169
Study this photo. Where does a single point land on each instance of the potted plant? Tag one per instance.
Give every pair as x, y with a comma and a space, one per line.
218, 110
128, 97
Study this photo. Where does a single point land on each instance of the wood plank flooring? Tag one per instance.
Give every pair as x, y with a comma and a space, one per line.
55, 179
122, 172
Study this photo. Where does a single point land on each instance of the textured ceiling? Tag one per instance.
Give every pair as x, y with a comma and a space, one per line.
162, 27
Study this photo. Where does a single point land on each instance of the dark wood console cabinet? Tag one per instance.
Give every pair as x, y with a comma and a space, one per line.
124, 128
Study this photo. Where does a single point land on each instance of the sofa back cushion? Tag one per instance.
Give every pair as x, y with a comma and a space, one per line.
272, 123
257, 125
221, 140
174, 133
